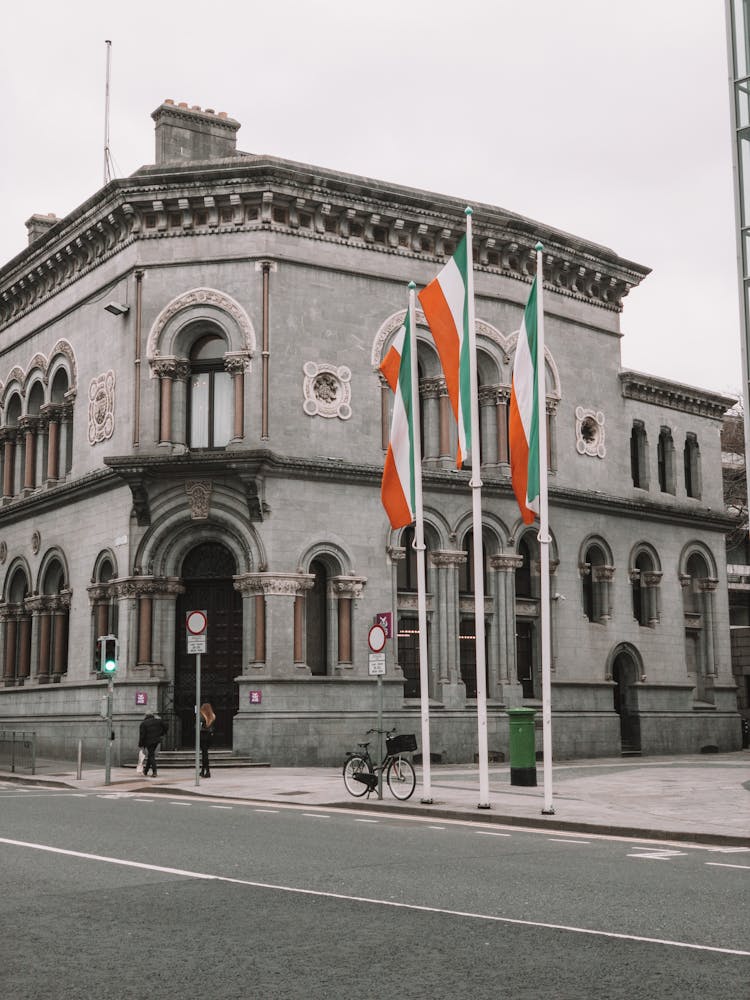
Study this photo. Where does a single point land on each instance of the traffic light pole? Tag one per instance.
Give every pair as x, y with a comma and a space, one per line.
108, 735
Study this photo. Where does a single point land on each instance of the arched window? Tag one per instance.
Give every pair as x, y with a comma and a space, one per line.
639, 455
17, 640
665, 461
10, 445
210, 395
698, 588
407, 567
644, 580
596, 579
104, 609
57, 603
692, 464
316, 606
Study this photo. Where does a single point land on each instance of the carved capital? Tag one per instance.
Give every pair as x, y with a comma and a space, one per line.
275, 584
506, 563
446, 557
347, 586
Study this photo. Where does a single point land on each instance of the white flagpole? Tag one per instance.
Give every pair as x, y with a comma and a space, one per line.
478, 552
544, 539
424, 671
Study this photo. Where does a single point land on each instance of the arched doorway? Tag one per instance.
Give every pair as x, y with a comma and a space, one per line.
207, 573
625, 674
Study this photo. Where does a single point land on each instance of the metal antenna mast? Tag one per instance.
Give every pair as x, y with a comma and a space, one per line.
107, 155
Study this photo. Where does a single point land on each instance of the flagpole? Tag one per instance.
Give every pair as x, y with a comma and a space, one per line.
478, 550
544, 539
424, 673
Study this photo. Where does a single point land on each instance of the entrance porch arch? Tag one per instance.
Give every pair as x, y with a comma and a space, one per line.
625, 668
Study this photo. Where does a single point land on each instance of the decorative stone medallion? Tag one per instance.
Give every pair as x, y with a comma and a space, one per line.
590, 432
327, 390
101, 407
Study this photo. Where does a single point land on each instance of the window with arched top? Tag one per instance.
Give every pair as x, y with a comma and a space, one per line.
596, 578
698, 589
665, 461
645, 578
16, 618
692, 466
104, 611
210, 416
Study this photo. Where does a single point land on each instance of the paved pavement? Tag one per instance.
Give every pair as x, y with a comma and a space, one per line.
696, 798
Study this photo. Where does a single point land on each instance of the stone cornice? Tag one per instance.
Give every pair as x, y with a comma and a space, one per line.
686, 398
264, 193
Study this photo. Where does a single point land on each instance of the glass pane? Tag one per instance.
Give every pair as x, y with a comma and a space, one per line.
199, 410
743, 154
742, 96
222, 409
741, 39
208, 349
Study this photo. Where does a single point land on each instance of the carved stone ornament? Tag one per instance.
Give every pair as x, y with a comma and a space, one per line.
199, 494
327, 390
590, 432
101, 407
36, 542
3, 551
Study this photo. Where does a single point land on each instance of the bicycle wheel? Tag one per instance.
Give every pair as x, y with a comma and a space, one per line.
356, 765
401, 778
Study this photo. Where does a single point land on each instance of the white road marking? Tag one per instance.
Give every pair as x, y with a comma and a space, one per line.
180, 803
221, 807
366, 820
412, 907
718, 864
431, 826
567, 840
492, 833
665, 855
273, 811
317, 815
144, 800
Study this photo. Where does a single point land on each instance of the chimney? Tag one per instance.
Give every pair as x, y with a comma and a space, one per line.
186, 134
38, 225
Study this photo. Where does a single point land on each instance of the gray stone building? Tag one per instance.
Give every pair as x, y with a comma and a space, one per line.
192, 417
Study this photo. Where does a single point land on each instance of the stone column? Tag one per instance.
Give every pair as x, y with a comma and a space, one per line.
66, 438
10, 619
396, 553
650, 595
237, 365
488, 424
504, 567
707, 590
601, 578
28, 427
166, 370
24, 647
60, 610
448, 676
345, 590
446, 416
53, 414
429, 391
44, 642
8, 437
501, 418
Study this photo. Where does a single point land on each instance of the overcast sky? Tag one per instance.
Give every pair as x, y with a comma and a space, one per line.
609, 120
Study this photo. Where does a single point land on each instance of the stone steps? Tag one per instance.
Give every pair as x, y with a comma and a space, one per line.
218, 759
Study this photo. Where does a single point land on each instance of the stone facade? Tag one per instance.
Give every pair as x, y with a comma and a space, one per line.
216, 441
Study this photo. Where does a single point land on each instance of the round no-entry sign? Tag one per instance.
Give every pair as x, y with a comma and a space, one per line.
376, 638
195, 622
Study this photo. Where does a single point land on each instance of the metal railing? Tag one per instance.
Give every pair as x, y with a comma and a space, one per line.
18, 750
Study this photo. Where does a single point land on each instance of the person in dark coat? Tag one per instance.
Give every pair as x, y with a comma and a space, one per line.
208, 717
149, 737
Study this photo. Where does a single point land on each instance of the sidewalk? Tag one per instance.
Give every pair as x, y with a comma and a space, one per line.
698, 798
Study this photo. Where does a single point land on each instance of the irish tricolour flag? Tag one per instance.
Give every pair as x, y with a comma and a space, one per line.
524, 415
445, 302
397, 490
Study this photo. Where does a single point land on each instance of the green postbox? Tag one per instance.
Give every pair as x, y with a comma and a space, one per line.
522, 746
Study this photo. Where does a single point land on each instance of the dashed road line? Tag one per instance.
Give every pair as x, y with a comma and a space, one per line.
719, 864
492, 833
317, 815
567, 840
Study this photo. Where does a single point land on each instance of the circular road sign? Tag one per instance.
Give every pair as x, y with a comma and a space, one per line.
376, 638
195, 622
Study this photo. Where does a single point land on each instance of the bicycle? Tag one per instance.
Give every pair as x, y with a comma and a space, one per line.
361, 772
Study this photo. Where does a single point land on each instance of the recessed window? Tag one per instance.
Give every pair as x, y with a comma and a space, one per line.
210, 401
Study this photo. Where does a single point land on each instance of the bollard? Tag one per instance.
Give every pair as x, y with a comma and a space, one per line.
80, 760
522, 746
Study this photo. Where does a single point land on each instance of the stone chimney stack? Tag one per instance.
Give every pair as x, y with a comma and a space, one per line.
186, 134
38, 225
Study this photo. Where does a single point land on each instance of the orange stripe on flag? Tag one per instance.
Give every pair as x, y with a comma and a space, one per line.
444, 332
519, 459
392, 494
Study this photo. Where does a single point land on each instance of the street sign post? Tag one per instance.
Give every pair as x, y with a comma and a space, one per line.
196, 623
376, 639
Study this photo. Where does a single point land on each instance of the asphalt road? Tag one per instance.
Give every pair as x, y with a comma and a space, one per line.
119, 895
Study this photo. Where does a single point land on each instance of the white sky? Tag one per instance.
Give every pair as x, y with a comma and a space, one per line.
606, 119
